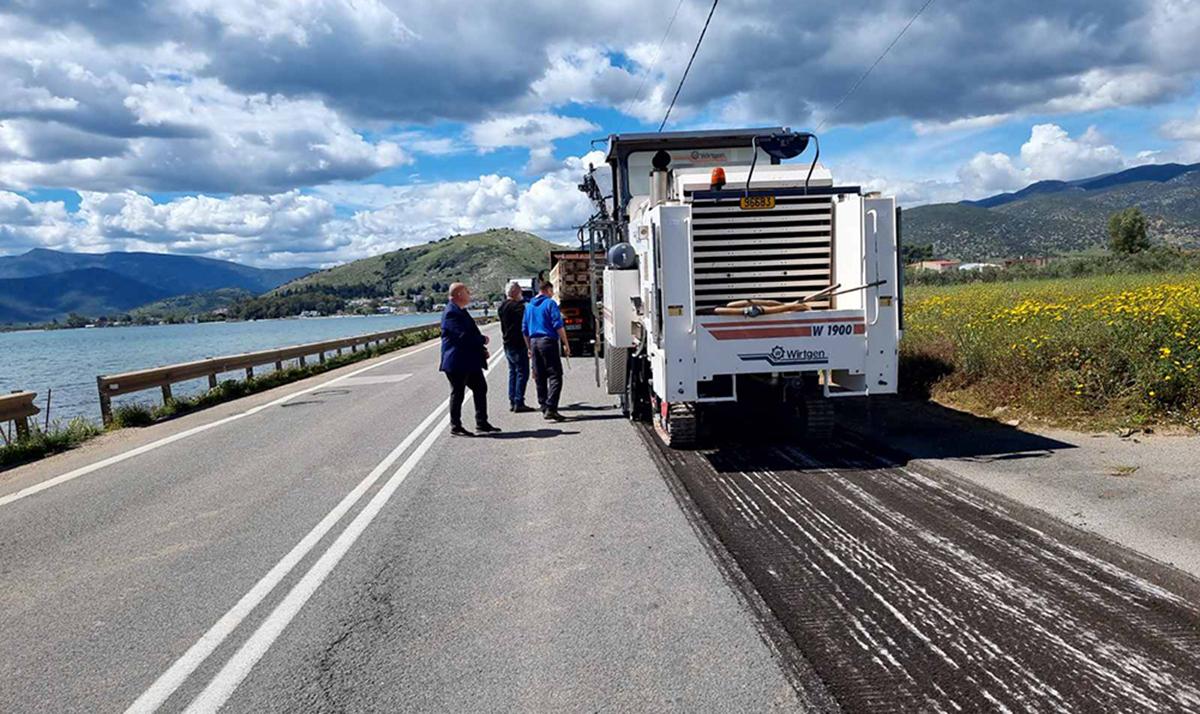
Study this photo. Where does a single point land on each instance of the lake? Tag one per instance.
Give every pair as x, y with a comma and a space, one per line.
68, 361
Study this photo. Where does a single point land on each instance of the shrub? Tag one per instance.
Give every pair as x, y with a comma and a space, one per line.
132, 414
1114, 347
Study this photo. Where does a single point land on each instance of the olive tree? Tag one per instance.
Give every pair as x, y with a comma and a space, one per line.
1127, 232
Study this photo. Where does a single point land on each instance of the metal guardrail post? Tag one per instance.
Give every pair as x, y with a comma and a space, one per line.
17, 408
105, 403
166, 392
212, 381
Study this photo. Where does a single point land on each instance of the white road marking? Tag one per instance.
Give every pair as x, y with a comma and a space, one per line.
238, 667
181, 669
376, 379
170, 680
85, 470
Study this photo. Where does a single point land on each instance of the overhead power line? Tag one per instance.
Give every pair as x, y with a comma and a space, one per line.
689, 65
650, 67
872, 67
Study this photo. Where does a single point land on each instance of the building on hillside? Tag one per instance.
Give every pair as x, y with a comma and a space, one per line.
980, 266
1037, 262
937, 266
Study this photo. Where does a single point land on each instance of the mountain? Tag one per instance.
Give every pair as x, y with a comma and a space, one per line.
482, 260
176, 274
89, 284
89, 292
1160, 173
184, 306
1033, 189
1051, 218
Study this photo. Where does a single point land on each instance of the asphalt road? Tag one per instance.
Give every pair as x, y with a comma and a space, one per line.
328, 547
911, 591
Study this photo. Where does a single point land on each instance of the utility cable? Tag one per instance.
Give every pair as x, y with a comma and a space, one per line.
689, 65
872, 67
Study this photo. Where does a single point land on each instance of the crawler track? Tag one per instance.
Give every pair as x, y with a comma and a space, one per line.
907, 592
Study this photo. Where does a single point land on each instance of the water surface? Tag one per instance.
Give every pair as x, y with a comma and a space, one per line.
68, 361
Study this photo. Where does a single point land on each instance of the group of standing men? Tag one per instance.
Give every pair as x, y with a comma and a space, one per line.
529, 330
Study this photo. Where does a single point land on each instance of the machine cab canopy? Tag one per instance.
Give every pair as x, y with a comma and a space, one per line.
630, 155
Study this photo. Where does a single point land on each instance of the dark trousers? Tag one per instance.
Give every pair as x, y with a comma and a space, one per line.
459, 382
518, 373
548, 372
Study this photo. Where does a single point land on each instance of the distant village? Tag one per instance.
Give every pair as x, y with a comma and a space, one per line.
946, 266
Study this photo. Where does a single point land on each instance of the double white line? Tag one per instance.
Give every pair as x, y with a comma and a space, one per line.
238, 667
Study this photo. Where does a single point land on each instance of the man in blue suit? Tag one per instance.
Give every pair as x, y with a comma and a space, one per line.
464, 355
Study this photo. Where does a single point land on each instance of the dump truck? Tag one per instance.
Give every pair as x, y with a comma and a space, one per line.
573, 273
734, 280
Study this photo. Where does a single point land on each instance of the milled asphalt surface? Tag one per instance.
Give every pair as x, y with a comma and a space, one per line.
546, 570
1136, 489
910, 591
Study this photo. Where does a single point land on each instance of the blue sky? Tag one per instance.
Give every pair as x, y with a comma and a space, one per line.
312, 132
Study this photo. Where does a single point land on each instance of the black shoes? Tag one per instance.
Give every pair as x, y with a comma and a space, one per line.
522, 408
459, 431
486, 428
554, 416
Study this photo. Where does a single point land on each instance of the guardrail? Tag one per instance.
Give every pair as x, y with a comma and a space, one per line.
18, 407
163, 377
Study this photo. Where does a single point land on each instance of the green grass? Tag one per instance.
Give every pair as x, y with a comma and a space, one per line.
1089, 352
42, 443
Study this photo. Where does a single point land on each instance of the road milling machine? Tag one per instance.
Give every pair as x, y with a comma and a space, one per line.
735, 283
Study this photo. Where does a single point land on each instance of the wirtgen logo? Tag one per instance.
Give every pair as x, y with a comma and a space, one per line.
708, 156
780, 357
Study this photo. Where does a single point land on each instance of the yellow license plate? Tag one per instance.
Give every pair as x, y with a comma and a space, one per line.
758, 203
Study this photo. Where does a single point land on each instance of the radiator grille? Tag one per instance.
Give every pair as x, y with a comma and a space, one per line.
777, 254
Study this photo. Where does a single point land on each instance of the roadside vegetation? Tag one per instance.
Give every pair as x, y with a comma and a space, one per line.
1089, 352
42, 443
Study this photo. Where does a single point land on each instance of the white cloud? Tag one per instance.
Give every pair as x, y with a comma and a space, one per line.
1182, 129
528, 130
293, 228
968, 124
1051, 154
536, 132
232, 143
992, 173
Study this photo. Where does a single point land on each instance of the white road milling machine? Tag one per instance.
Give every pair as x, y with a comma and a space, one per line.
737, 284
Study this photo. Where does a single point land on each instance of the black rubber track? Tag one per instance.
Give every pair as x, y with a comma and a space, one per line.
910, 592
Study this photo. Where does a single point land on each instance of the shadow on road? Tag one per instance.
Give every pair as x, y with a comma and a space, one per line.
577, 407
927, 430
531, 434
896, 431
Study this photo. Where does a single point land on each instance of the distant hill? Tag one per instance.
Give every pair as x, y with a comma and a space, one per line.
184, 306
483, 260
1054, 217
87, 292
177, 274
99, 275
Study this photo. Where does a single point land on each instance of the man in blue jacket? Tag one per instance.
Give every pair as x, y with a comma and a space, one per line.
544, 329
464, 355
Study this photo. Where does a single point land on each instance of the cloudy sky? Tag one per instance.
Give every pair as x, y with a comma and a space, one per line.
312, 132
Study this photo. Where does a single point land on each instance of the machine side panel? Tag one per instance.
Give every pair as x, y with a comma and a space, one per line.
678, 304
848, 268
883, 310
